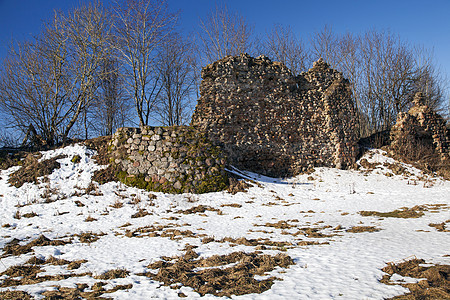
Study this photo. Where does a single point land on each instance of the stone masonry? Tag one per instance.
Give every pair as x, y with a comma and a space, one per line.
273, 123
419, 132
168, 159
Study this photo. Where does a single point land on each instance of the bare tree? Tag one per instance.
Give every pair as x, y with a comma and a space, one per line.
111, 109
385, 72
282, 45
324, 44
140, 27
176, 69
224, 33
46, 84
34, 88
89, 31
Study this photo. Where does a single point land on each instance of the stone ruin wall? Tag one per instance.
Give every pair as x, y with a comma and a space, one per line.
420, 128
273, 123
168, 159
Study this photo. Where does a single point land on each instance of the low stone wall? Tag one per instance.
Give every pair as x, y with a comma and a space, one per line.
168, 159
420, 131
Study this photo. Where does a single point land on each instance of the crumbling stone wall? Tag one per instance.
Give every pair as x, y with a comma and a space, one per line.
273, 123
420, 132
168, 159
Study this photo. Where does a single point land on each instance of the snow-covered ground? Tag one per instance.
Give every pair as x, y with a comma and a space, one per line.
342, 265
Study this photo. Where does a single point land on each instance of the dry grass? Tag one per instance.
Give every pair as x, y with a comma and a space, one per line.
213, 278
442, 227
435, 286
117, 204
90, 219
405, 212
238, 186
198, 209
32, 169
89, 237
113, 274
235, 205
358, 229
140, 213
15, 295
14, 248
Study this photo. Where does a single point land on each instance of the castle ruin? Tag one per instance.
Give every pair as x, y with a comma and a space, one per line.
274, 123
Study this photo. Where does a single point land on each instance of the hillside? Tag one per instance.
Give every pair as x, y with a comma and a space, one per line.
323, 235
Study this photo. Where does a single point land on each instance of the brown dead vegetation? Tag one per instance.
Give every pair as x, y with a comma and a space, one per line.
14, 295
442, 227
32, 168
212, 276
99, 144
198, 209
29, 274
89, 237
14, 248
359, 229
113, 274
236, 186
140, 213
235, 205
10, 159
310, 232
259, 243
167, 230
435, 286
367, 165
79, 292
405, 212
108, 174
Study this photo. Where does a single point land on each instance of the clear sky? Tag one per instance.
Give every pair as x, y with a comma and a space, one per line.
420, 22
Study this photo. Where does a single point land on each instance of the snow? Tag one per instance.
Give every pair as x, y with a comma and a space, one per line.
344, 266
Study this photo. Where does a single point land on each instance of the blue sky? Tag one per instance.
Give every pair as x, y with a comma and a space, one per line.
420, 22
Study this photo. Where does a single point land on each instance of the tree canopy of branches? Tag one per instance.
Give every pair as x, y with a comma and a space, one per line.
112, 109
282, 45
47, 83
385, 73
224, 33
176, 69
140, 27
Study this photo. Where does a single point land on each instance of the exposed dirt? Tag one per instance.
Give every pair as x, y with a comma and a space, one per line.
235, 205
211, 276
435, 286
279, 225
